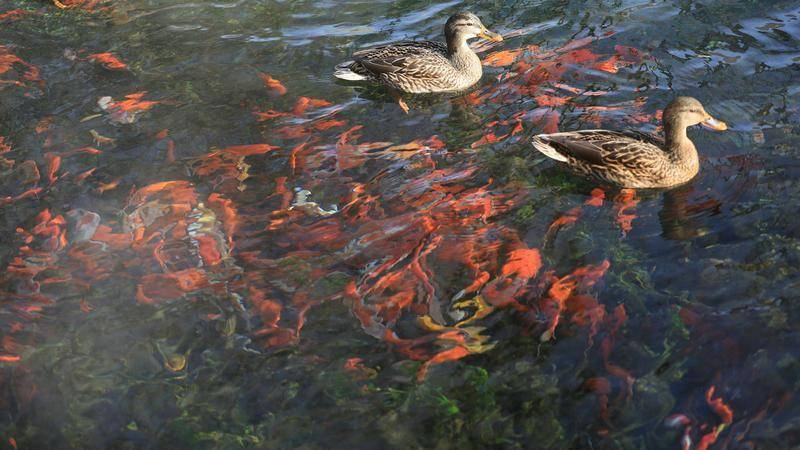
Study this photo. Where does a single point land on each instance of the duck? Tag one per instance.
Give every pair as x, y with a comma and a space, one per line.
633, 159
422, 67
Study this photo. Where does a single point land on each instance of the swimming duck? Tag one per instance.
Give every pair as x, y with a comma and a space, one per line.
633, 159
423, 66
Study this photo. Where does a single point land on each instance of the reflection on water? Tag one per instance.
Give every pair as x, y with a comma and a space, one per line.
209, 243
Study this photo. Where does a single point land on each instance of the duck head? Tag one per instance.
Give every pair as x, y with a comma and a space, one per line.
687, 111
464, 26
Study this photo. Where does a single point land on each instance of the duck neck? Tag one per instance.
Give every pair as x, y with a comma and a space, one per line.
461, 56
679, 145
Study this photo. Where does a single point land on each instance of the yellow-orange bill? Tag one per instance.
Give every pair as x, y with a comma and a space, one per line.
490, 36
714, 124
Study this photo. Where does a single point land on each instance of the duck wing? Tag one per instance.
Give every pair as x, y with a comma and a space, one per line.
626, 148
401, 50
425, 59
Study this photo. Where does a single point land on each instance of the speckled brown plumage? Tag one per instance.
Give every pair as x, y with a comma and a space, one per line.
634, 159
423, 66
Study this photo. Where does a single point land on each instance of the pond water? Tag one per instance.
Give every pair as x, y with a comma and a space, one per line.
207, 242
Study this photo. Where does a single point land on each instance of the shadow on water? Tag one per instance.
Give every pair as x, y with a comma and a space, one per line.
208, 242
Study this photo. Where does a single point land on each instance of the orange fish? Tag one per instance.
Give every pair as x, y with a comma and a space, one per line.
103, 187
170, 157
134, 103
27, 194
107, 60
623, 202
168, 286
272, 84
304, 103
15, 14
87, 150
523, 262
99, 139
243, 150
724, 411
85, 306
4, 148
596, 197
268, 115
452, 354
54, 163
507, 57
84, 175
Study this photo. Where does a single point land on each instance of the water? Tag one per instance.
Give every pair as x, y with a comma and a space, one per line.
233, 266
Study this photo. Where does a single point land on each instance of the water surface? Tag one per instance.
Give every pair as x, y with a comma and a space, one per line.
207, 242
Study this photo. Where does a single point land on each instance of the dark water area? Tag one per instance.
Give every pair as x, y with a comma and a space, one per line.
207, 242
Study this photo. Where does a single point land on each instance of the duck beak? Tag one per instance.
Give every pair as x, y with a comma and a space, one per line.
490, 36
714, 124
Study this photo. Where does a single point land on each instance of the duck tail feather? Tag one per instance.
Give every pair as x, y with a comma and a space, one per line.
541, 142
343, 72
